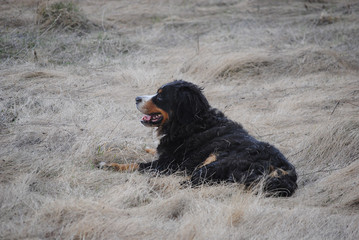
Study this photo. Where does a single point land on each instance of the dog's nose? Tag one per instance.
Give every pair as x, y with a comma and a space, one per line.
138, 100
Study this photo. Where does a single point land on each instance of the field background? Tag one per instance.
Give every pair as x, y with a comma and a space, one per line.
70, 71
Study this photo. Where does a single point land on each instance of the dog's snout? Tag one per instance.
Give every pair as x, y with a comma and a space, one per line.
141, 100
138, 100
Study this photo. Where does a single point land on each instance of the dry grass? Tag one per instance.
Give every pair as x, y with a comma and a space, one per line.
287, 70
61, 15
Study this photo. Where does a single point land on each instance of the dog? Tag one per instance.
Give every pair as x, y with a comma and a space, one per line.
209, 147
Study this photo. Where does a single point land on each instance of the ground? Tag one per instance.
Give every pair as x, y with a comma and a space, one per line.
69, 75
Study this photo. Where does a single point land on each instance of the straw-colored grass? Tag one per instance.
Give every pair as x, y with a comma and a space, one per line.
287, 70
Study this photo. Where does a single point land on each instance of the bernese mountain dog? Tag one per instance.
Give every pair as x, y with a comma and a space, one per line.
203, 142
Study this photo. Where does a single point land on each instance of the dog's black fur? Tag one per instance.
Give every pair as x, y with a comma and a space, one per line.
194, 131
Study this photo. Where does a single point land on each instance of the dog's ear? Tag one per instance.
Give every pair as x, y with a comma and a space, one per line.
191, 104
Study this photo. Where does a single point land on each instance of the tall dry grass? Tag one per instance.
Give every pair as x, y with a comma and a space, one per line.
287, 70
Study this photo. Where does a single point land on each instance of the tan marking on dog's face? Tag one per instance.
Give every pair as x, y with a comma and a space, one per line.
150, 108
210, 159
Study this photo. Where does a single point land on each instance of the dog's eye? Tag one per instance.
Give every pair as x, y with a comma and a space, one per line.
159, 97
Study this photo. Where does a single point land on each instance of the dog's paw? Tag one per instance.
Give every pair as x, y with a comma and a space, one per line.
108, 166
102, 165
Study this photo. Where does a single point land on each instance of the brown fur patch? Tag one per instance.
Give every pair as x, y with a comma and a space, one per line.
151, 108
152, 151
277, 172
209, 160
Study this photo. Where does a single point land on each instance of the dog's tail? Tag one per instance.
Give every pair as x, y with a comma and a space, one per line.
281, 183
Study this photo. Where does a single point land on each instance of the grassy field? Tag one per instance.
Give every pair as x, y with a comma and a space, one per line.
69, 74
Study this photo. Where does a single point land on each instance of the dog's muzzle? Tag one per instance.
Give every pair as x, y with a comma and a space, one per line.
150, 119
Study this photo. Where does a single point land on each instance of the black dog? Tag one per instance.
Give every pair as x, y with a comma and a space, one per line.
200, 140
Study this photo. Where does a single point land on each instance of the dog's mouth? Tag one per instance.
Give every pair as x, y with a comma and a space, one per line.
152, 120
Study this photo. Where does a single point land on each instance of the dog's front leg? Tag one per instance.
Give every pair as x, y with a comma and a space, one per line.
119, 167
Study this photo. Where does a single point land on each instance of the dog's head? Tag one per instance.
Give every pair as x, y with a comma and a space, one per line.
178, 102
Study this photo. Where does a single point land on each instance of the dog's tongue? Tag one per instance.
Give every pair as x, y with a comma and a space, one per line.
146, 118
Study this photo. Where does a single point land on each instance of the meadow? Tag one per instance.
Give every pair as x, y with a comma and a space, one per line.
69, 74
